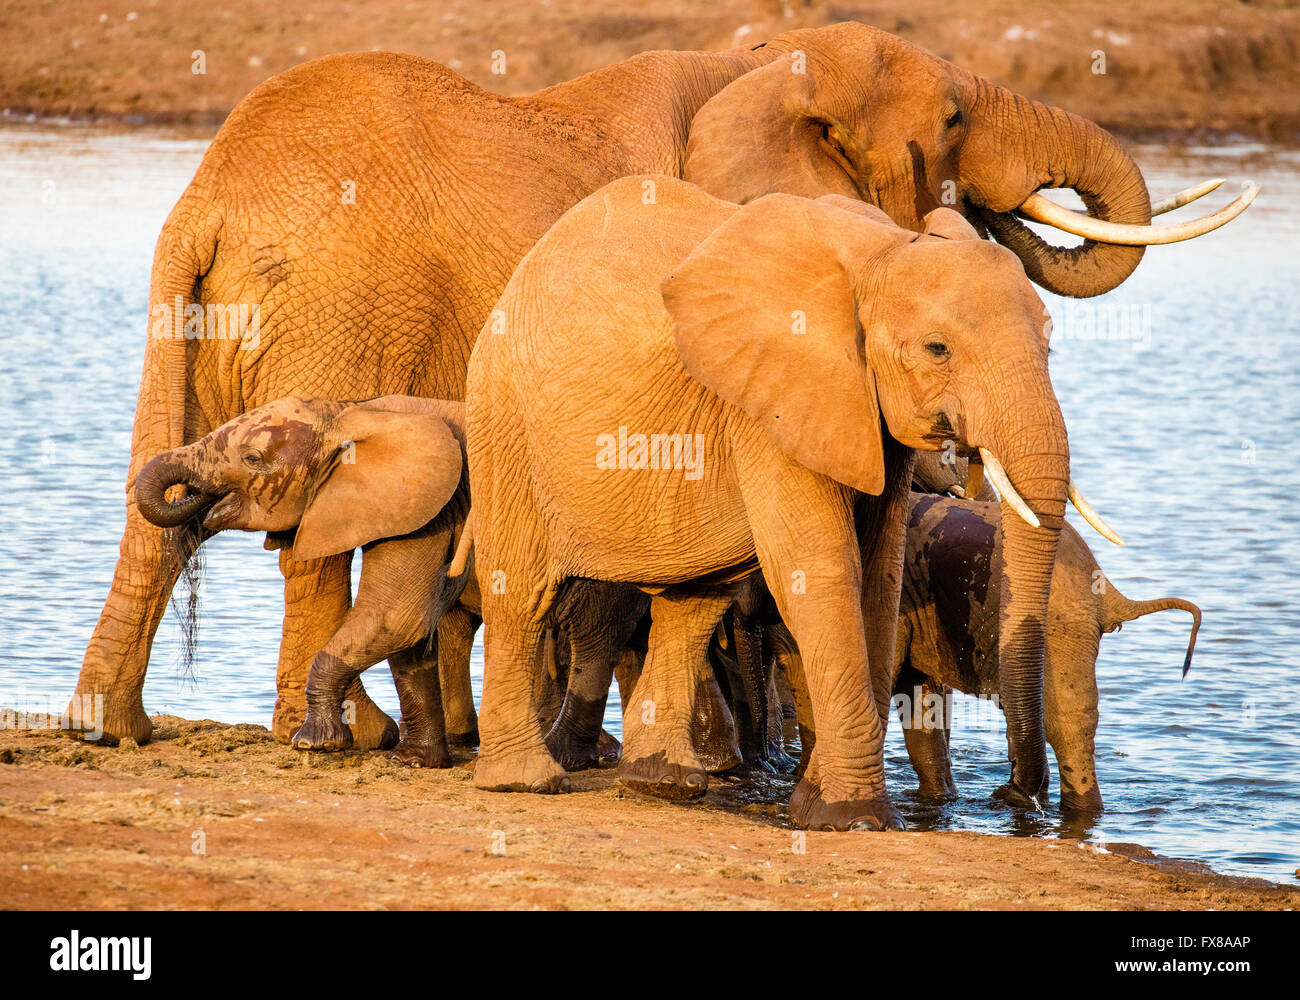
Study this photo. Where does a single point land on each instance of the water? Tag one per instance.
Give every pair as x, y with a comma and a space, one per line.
1183, 436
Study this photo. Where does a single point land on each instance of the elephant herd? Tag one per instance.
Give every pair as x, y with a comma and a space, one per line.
640, 371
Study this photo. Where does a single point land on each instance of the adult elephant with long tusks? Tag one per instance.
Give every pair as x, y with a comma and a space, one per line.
372, 206
761, 369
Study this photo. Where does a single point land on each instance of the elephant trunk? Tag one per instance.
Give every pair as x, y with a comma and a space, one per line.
1017, 146
1036, 460
155, 479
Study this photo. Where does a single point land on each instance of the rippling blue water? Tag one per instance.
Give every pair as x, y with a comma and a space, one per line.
1183, 434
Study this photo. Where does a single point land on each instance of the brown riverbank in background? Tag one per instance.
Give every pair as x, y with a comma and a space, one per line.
1173, 68
88, 827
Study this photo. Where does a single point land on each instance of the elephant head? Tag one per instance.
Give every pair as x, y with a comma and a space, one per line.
337, 475
828, 326
849, 109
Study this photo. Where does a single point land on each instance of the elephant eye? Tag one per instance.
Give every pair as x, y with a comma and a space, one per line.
953, 119
252, 458
831, 139
938, 348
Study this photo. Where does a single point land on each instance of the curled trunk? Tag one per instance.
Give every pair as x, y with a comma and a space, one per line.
151, 487
1017, 146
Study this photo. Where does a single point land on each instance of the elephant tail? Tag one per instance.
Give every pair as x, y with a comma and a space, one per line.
451, 582
185, 251
1118, 609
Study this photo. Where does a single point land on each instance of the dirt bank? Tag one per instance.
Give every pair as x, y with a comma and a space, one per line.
1172, 67
90, 827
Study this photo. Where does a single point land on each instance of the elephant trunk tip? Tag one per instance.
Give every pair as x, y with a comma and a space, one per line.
151, 486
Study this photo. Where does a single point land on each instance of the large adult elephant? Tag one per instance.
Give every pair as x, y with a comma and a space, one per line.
684, 390
372, 206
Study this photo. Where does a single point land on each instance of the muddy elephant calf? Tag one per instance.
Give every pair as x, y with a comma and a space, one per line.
323, 477
948, 638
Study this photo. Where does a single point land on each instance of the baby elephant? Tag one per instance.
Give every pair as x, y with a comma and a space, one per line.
948, 637
323, 477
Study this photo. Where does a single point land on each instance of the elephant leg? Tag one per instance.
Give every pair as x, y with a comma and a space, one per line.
748, 681
455, 644
389, 617
317, 596
1070, 715
574, 737
782, 761
512, 751
814, 575
423, 740
108, 698
713, 731
658, 753
785, 653
882, 538
627, 671
927, 743
783, 700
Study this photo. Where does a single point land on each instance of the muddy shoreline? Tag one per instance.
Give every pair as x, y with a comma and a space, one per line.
1166, 70
216, 816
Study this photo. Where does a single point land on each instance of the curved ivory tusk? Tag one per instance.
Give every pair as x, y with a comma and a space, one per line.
1187, 196
999, 478
974, 479
1091, 516
1040, 209
1183, 197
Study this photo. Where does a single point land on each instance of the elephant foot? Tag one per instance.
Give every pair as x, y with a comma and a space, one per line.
414, 753
936, 788
782, 762
1082, 803
656, 775
809, 811
1014, 796
752, 768
608, 749
287, 718
104, 718
322, 732
466, 739
372, 729
572, 751
524, 771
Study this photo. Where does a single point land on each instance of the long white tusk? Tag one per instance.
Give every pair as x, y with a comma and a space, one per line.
1186, 197
1091, 516
999, 478
1041, 209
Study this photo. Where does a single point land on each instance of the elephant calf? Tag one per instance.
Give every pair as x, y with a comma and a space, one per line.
948, 637
323, 477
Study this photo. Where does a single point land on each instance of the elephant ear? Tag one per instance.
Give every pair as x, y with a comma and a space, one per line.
391, 473
764, 315
949, 225
760, 135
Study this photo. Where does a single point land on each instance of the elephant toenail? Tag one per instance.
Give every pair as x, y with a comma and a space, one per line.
896, 824
866, 823
566, 785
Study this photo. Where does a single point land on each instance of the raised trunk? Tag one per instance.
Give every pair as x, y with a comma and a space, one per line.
1017, 146
160, 475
